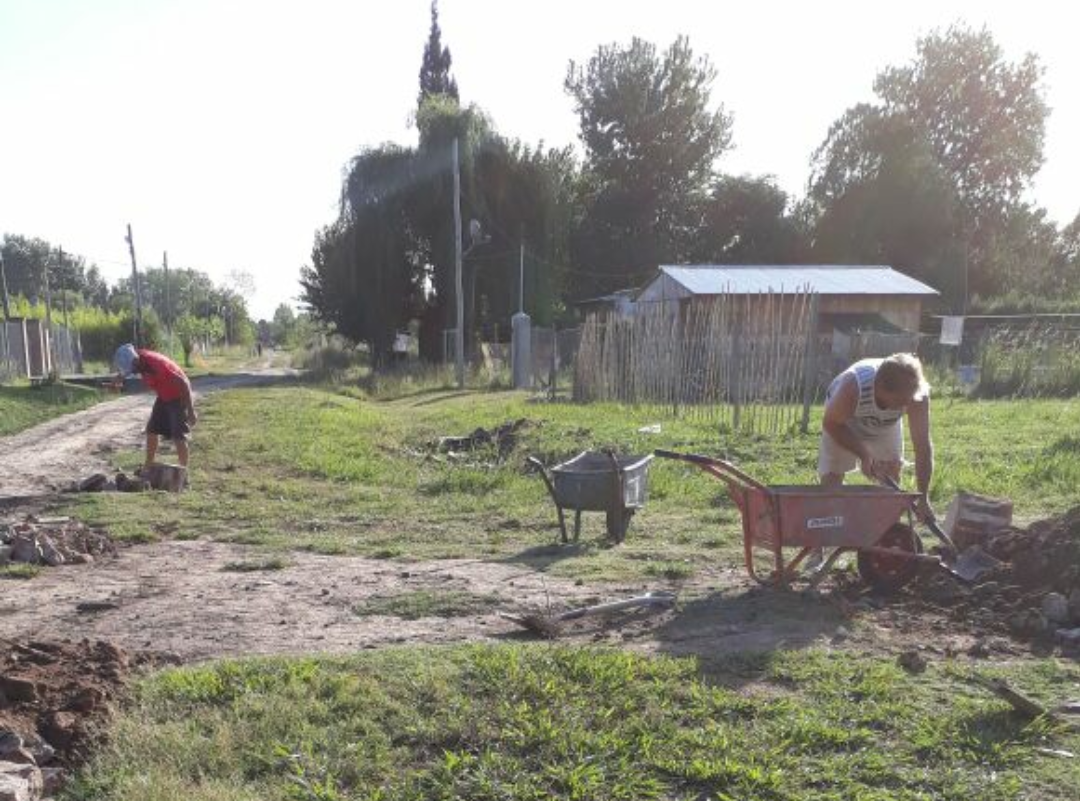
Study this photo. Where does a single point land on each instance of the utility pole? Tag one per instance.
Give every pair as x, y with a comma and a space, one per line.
48, 320
137, 324
168, 305
459, 334
3, 286
63, 292
521, 280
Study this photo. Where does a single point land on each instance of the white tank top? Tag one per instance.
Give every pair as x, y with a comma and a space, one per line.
869, 419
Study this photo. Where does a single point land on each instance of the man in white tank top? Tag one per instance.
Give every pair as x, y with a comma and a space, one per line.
863, 424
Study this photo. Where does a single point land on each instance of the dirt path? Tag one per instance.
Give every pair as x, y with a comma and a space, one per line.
49, 457
181, 598
187, 598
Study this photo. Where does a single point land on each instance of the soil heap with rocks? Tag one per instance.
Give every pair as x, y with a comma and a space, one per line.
1034, 593
53, 696
52, 541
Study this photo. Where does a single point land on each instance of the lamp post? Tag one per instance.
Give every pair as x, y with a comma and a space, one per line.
476, 238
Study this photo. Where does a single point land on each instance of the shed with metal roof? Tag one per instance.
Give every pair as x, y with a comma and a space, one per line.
846, 290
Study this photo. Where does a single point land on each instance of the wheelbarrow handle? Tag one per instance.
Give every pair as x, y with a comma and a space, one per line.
532, 461
725, 471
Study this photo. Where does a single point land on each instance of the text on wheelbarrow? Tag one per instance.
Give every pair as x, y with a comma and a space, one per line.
825, 522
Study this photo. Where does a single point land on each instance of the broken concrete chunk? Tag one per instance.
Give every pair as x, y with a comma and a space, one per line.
25, 548
1055, 608
19, 782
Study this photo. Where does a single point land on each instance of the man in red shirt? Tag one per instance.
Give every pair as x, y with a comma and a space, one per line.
174, 410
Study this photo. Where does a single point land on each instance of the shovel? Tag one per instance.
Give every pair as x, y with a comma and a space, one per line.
550, 625
966, 566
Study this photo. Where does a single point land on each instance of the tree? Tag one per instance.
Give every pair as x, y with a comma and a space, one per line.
435, 78
364, 272
26, 261
1070, 249
189, 330
929, 179
879, 196
746, 220
283, 325
983, 116
651, 142
97, 288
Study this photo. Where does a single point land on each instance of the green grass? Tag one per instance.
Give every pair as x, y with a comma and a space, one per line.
19, 571
256, 565
23, 406
311, 468
428, 603
536, 722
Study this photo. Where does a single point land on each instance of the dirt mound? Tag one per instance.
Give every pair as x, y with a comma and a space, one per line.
501, 439
52, 541
1046, 555
1035, 593
53, 695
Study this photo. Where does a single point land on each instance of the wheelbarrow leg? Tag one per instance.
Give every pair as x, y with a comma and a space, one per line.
532, 460
618, 521
819, 573
618, 516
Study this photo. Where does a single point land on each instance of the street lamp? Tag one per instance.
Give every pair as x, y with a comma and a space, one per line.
475, 240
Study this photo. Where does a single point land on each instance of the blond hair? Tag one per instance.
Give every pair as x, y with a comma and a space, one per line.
902, 373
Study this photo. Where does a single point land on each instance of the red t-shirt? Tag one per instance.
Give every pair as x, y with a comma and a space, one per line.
160, 374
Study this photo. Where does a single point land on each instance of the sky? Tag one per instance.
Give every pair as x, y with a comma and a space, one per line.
221, 129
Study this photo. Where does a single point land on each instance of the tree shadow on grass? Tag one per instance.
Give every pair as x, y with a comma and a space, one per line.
721, 626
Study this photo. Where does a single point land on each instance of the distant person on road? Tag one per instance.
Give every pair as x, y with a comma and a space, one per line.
863, 424
174, 409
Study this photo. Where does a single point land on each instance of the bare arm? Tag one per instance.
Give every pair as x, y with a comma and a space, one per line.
185, 396
919, 420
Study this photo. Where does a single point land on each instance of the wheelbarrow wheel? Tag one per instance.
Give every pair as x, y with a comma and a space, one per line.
618, 521
890, 573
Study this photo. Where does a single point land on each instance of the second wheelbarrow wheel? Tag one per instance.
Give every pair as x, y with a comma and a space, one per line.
889, 573
618, 521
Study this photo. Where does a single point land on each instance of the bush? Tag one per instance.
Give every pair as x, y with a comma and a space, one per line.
100, 332
1029, 363
332, 361
1022, 303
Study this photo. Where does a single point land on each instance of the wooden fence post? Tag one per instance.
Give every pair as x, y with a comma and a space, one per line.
736, 367
810, 364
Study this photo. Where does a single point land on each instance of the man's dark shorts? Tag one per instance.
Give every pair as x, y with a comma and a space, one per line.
169, 420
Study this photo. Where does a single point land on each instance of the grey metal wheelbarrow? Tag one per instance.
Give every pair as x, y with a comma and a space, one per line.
595, 481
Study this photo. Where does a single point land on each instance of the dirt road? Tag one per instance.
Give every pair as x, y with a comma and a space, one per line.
47, 458
188, 598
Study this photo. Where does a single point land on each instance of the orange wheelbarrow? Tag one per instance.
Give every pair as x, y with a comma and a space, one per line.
863, 519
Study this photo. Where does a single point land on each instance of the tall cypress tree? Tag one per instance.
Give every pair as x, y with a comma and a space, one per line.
435, 76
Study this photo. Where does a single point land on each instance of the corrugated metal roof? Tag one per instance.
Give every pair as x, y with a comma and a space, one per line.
825, 279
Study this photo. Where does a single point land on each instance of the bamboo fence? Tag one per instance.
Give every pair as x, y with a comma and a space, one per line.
745, 362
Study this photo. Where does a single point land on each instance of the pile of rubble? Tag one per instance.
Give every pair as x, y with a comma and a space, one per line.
52, 697
485, 447
169, 478
52, 541
1034, 593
